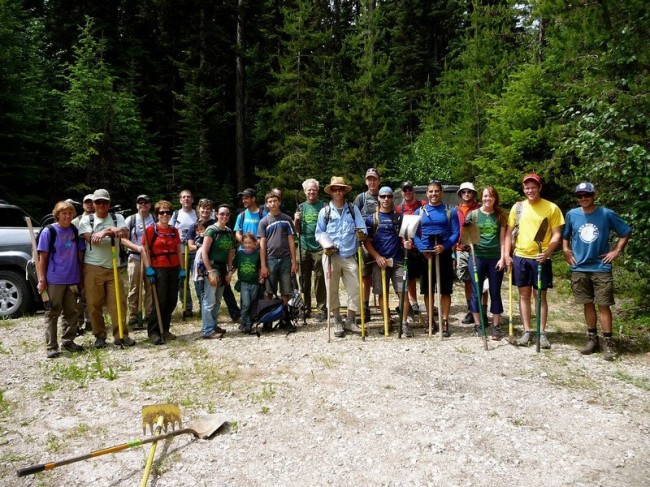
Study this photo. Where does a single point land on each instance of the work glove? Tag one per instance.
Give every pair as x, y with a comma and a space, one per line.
467, 223
213, 278
182, 274
361, 236
151, 274
330, 251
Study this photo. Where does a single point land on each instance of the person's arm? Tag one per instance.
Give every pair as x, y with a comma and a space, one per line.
42, 270
292, 251
568, 253
556, 240
617, 250
502, 245
265, 269
229, 268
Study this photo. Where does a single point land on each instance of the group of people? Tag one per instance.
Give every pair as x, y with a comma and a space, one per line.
363, 244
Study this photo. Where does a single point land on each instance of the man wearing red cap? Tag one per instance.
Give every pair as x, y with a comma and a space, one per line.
527, 217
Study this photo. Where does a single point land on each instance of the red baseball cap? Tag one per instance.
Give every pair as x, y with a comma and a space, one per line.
533, 177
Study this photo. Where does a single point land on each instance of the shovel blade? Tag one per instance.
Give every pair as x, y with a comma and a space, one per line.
541, 231
471, 235
207, 425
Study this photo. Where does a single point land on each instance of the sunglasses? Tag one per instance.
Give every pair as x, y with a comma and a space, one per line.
407, 190
433, 181
581, 196
386, 196
466, 191
165, 212
101, 202
337, 190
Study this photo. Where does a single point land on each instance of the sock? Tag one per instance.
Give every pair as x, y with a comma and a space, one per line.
593, 332
607, 335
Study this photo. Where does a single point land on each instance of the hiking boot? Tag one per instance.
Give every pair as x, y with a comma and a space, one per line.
321, 316
247, 329
156, 339
220, 330
469, 319
132, 322
351, 325
592, 345
73, 347
169, 336
339, 331
609, 349
406, 328
415, 307
543, 341
445, 329
496, 333
99, 343
524, 339
188, 314
127, 341
52, 353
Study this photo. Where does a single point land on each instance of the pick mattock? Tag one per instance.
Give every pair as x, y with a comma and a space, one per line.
203, 427
154, 290
407, 231
384, 303
511, 330
539, 238
185, 279
438, 293
430, 291
471, 236
117, 283
360, 266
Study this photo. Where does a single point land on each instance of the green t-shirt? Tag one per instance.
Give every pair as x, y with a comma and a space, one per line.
248, 266
307, 226
489, 246
222, 242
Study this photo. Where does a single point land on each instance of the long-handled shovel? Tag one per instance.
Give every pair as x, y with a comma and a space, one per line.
407, 231
203, 427
511, 330
154, 290
539, 238
430, 296
471, 236
403, 296
185, 280
384, 303
117, 283
329, 295
438, 293
140, 287
363, 315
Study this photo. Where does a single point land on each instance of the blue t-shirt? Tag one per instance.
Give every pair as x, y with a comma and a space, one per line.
437, 221
589, 235
386, 239
63, 264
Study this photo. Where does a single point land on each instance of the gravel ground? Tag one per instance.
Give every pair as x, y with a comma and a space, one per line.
302, 411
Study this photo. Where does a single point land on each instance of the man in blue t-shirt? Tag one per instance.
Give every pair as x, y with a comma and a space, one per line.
585, 242
385, 246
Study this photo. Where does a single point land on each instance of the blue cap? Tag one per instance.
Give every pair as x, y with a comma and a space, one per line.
386, 190
585, 188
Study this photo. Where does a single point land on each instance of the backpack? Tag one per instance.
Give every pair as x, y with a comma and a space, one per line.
91, 219
424, 208
156, 234
519, 208
53, 234
397, 221
328, 210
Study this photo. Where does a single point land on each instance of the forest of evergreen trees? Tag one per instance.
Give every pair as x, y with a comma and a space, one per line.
158, 95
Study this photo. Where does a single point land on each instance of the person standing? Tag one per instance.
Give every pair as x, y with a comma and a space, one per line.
467, 194
311, 253
60, 257
98, 230
217, 252
527, 216
136, 224
490, 254
341, 223
163, 259
438, 234
247, 263
416, 262
249, 219
83, 320
386, 247
277, 251
585, 242
183, 219
367, 202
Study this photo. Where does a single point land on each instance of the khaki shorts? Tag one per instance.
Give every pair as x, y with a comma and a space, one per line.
593, 287
462, 265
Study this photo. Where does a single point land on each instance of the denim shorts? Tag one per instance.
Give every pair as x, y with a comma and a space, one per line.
280, 272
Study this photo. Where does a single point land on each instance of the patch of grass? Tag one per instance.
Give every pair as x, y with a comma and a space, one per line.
53, 443
3, 350
8, 323
4, 404
48, 387
11, 457
267, 393
573, 379
518, 421
327, 362
462, 349
264, 410
233, 426
640, 382
81, 372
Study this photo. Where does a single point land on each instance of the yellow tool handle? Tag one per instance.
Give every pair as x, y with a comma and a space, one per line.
152, 453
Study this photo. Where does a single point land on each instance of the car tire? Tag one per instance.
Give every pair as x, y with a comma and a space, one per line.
14, 294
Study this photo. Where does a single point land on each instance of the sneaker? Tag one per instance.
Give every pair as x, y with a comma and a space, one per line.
592, 345
169, 336
415, 307
156, 339
52, 353
543, 341
247, 329
339, 331
321, 316
525, 338
469, 319
73, 347
127, 341
351, 325
406, 328
609, 349
99, 343
445, 329
496, 333
188, 314
212, 336
218, 329
132, 322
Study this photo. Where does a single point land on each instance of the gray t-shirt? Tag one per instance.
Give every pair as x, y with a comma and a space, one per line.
276, 229
367, 203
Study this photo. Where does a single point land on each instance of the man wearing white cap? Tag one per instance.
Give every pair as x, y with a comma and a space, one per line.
585, 242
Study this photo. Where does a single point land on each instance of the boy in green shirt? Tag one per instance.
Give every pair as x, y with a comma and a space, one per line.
247, 263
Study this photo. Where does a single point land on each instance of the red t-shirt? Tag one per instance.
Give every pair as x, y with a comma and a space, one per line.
409, 208
163, 245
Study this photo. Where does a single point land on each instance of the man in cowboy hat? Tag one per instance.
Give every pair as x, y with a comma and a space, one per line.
343, 226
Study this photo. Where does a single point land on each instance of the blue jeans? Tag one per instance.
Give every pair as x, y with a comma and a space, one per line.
487, 268
248, 294
199, 287
210, 308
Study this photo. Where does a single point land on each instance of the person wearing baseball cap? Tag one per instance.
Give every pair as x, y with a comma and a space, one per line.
527, 217
136, 224
367, 202
585, 242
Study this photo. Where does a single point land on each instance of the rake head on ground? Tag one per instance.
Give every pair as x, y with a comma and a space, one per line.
171, 414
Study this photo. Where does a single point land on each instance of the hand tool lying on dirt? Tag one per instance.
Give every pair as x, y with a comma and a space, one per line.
471, 236
203, 427
539, 238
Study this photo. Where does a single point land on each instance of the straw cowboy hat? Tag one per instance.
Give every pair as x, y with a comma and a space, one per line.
337, 182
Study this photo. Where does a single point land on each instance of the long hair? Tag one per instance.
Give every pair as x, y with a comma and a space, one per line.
501, 216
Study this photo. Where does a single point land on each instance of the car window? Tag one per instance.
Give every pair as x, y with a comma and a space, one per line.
12, 217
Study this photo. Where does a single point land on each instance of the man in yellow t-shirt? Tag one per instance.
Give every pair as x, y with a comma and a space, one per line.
527, 216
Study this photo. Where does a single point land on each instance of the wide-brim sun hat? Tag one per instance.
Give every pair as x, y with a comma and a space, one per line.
466, 185
337, 182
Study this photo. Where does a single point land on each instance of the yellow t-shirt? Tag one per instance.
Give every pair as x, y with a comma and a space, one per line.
531, 218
